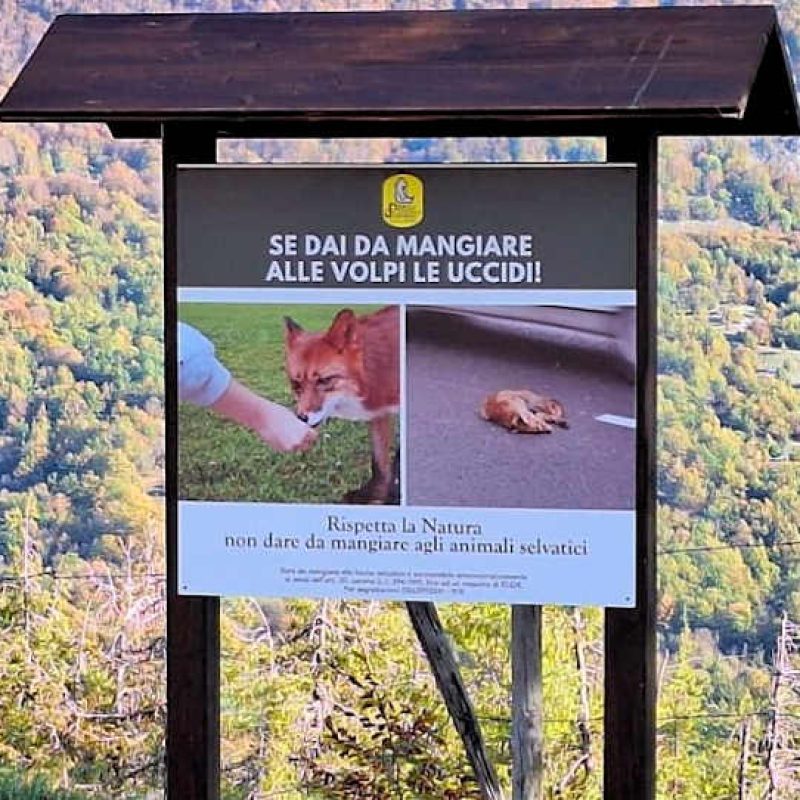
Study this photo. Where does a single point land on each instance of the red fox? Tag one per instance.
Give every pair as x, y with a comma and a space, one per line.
351, 371
523, 411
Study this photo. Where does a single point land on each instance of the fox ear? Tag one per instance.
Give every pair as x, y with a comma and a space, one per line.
292, 329
343, 330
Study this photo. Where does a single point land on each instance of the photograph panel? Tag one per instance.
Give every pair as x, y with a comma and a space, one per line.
521, 407
290, 403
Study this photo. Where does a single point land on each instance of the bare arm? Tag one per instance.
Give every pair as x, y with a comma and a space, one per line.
276, 425
204, 381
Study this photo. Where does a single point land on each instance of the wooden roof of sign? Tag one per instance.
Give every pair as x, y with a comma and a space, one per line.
677, 70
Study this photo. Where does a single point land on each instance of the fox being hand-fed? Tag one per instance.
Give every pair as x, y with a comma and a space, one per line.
351, 371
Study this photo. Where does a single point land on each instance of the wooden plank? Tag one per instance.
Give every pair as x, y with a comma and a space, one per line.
774, 123
630, 635
588, 62
527, 725
774, 93
433, 638
193, 649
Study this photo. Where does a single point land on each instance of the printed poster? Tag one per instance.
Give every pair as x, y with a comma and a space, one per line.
408, 382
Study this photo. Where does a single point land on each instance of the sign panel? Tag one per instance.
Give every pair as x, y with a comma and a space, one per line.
456, 350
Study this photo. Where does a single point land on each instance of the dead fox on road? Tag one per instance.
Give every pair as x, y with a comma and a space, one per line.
523, 411
351, 371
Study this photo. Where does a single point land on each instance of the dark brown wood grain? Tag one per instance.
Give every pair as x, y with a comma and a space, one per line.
590, 63
630, 635
193, 647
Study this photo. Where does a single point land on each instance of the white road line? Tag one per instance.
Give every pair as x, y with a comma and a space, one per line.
614, 419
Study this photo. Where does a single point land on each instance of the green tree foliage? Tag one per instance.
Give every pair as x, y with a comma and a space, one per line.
21, 787
333, 700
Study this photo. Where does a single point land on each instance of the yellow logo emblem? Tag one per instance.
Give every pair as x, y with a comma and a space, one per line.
403, 201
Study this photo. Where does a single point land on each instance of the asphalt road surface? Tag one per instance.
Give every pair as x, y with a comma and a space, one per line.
455, 458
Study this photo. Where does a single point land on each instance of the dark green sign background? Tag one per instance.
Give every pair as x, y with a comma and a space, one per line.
582, 218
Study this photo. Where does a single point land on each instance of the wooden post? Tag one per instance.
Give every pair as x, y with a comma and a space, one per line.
630, 636
192, 622
527, 735
430, 632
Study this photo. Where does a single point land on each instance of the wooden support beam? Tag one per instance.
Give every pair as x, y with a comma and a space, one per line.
192, 622
527, 733
630, 636
431, 634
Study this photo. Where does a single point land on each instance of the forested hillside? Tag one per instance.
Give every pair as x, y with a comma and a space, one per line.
333, 700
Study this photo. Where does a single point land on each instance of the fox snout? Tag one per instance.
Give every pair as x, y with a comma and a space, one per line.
309, 419
311, 415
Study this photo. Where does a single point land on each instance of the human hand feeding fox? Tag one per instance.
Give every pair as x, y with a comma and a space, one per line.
351, 371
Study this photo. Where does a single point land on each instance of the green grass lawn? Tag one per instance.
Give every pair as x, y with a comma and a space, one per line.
221, 461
